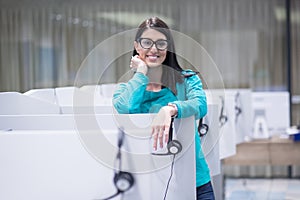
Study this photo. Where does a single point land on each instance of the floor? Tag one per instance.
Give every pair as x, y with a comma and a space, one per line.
262, 189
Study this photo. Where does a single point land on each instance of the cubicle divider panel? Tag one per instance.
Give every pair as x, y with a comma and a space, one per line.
78, 162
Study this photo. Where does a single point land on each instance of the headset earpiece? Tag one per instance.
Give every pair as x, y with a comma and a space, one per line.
123, 181
174, 147
202, 128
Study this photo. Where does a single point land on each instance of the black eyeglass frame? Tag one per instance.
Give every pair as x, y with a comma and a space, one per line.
153, 43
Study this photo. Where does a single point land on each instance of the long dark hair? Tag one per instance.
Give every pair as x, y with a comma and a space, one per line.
171, 69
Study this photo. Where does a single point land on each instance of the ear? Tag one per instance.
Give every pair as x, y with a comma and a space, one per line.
136, 47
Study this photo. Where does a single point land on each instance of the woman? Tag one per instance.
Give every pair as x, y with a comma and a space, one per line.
161, 86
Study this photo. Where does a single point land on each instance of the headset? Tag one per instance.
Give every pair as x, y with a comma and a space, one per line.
123, 180
174, 146
202, 128
222, 118
237, 107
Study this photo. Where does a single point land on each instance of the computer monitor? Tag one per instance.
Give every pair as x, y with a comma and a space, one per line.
271, 113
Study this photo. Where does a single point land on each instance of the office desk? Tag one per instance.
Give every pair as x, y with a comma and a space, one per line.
274, 151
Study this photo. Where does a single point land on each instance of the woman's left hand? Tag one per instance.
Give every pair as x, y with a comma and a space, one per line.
161, 125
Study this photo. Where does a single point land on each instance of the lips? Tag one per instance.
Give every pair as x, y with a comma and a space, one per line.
152, 58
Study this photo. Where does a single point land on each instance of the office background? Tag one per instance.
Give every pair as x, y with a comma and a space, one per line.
254, 43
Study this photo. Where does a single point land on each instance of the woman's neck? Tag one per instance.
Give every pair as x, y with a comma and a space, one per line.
155, 75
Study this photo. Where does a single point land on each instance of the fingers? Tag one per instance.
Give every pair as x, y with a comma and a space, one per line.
138, 64
167, 135
132, 66
160, 135
154, 137
134, 62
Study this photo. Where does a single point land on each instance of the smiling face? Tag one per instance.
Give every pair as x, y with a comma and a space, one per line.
152, 56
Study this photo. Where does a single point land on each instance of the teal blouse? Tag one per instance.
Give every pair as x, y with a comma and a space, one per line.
153, 101
132, 97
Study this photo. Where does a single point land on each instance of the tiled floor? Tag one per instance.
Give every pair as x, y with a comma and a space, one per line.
262, 189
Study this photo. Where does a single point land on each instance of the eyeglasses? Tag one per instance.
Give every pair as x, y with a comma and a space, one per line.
147, 43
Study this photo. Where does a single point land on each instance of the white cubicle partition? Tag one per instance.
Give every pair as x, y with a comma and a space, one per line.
70, 100
37, 122
14, 103
235, 117
227, 134
82, 100
91, 88
66, 121
71, 163
50, 142
65, 95
210, 142
243, 113
70, 97
44, 94
107, 90
104, 90
227, 129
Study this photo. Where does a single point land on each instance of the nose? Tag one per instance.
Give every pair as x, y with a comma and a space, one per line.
153, 48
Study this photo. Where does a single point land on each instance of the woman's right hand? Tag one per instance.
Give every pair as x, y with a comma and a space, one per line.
138, 65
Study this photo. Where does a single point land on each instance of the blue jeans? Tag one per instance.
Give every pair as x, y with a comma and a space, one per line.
205, 192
